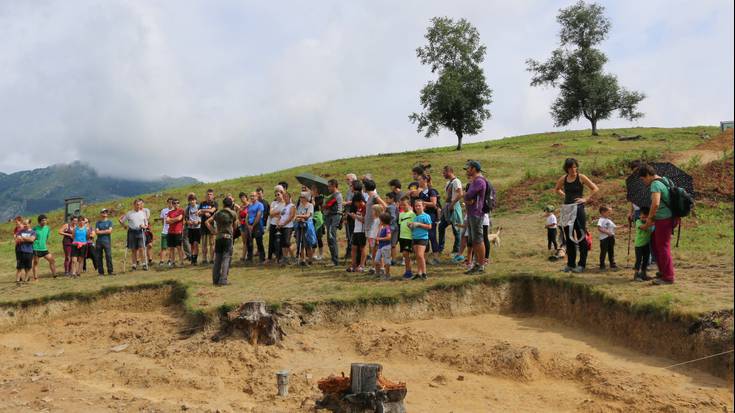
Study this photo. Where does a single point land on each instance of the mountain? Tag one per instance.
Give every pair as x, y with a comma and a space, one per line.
44, 189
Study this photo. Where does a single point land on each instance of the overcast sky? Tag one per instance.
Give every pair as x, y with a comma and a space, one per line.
219, 89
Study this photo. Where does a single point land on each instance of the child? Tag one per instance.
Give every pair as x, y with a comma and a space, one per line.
550, 227
405, 239
40, 248
642, 246
607, 237
392, 209
383, 254
420, 232
358, 241
372, 233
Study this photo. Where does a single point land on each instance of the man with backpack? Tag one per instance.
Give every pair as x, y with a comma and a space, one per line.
479, 200
668, 205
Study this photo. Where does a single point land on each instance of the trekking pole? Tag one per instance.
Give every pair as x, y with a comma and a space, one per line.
630, 231
145, 250
125, 259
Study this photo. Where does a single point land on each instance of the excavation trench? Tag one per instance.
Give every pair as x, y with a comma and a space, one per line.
528, 344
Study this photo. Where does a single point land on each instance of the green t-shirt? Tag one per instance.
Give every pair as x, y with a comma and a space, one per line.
663, 211
41, 238
642, 237
404, 218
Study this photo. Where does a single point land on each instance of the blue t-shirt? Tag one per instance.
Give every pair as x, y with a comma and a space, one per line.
80, 235
385, 231
26, 247
103, 226
253, 210
421, 233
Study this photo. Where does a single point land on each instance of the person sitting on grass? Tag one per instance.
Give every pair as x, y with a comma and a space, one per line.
642, 245
405, 239
420, 233
24, 239
358, 241
383, 251
40, 248
607, 237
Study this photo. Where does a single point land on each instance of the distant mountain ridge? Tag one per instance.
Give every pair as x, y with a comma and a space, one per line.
44, 189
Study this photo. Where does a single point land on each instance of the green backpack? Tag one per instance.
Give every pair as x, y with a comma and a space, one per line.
318, 220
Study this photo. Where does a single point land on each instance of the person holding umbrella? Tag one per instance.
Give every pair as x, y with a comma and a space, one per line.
661, 217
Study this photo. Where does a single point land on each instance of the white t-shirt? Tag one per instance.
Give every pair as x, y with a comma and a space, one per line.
285, 214
451, 188
276, 206
164, 215
606, 224
551, 220
359, 226
137, 219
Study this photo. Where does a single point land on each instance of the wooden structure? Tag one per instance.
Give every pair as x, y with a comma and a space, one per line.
365, 391
73, 207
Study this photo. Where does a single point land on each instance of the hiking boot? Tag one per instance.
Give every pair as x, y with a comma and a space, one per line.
566, 269
661, 281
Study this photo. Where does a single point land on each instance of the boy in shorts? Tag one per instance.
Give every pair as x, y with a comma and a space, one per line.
405, 239
40, 249
193, 223
383, 250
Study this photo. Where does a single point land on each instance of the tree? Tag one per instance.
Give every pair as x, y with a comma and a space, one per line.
577, 68
457, 100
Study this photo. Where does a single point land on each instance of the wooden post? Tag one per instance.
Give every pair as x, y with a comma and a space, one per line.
364, 377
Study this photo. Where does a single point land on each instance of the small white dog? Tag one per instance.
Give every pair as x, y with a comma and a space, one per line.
495, 237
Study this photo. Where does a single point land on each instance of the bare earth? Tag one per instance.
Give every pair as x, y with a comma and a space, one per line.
482, 363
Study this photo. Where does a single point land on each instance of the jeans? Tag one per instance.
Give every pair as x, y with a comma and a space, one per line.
331, 222
222, 259
551, 238
443, 225
274, 248
106, 248
641, 257
607, 248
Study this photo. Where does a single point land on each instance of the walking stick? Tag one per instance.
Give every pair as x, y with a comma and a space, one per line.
630, 230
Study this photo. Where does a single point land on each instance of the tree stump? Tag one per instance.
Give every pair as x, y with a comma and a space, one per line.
254, 322
365, 392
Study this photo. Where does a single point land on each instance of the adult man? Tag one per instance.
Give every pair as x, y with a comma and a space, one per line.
164, 233
332, 218
103, 231
346, 206
452, 212
266, 208
40, 249
475, 199
226, 222
255, 228
193, 227
207, 208
136, 222
175, 221
24, 239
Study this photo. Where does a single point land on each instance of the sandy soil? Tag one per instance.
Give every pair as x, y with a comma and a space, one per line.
482, 363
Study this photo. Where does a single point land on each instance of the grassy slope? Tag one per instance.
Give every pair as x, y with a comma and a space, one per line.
533, 161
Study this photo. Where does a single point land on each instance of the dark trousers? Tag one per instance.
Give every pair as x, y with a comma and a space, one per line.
443, 225
607, 248
580, 231
274, 248
319, 237
551, 238
106, 249
222, 259
432, 238
331, 222
256, 237
486, 240
642, 255
349, 229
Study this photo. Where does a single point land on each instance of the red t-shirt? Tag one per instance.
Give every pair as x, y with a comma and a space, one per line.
243, 216
178, 227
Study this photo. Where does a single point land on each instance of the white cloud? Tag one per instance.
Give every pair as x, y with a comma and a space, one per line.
225, 89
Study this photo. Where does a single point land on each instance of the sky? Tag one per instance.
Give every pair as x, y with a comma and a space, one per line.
222, 89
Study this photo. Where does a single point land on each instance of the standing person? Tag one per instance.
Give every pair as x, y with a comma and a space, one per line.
274, 234
136, 222
395, 187
207, 208
432, 207
164, 233
420, 233
255, 228
103, 232
304, 219
332, 219
285, 228
372, 220
383, 254
551, 224
642, 246
67, 233
185, 244
226, 222
79, 246
175, 234
475, 200
193, 223
319, 225
574, 221
40, 247
452, 213
606, 227
242, 215
349, 224
24, 239
358, 241
663, 219
405, 239
391, 209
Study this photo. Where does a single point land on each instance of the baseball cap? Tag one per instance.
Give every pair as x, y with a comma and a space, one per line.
472, 164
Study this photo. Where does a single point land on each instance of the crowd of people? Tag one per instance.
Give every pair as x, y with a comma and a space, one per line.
380, 231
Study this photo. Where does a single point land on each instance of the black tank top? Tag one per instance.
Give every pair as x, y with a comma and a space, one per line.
572, 190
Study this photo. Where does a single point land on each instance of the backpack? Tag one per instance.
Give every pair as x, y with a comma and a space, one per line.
680, 202
490, 201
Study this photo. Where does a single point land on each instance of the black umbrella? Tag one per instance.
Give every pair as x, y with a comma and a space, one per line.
311, 180
639, 194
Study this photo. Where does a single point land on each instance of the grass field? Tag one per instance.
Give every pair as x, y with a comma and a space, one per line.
522, 168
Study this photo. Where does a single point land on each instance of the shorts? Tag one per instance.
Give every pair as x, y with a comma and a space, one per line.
285, 237
406, 245
474, 230
164, 241
79, 250
383, 255
135, 239
358, 239
394, 234
40, 254
204, 231
420, 242
24, 260
174, 240
194, 235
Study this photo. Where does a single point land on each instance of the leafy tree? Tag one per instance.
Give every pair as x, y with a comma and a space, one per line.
458, 98
577, 68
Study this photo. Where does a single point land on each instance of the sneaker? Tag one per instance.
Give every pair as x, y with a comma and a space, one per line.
371, 271
661, 281
132, 268
407, 275
434, 261
458, 258
480, 269
145, 267
416, 277
472, 270
360, 269
160, 263
578, 270
350, 269
566, 269
423, 277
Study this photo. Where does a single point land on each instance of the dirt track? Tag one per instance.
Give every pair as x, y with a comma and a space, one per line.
469, 364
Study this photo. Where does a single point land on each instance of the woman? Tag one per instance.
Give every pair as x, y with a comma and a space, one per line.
79, 246
67, 232
274, 216
571, 187
285, 227
304, 220
430, 198
242, 216
660, 215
